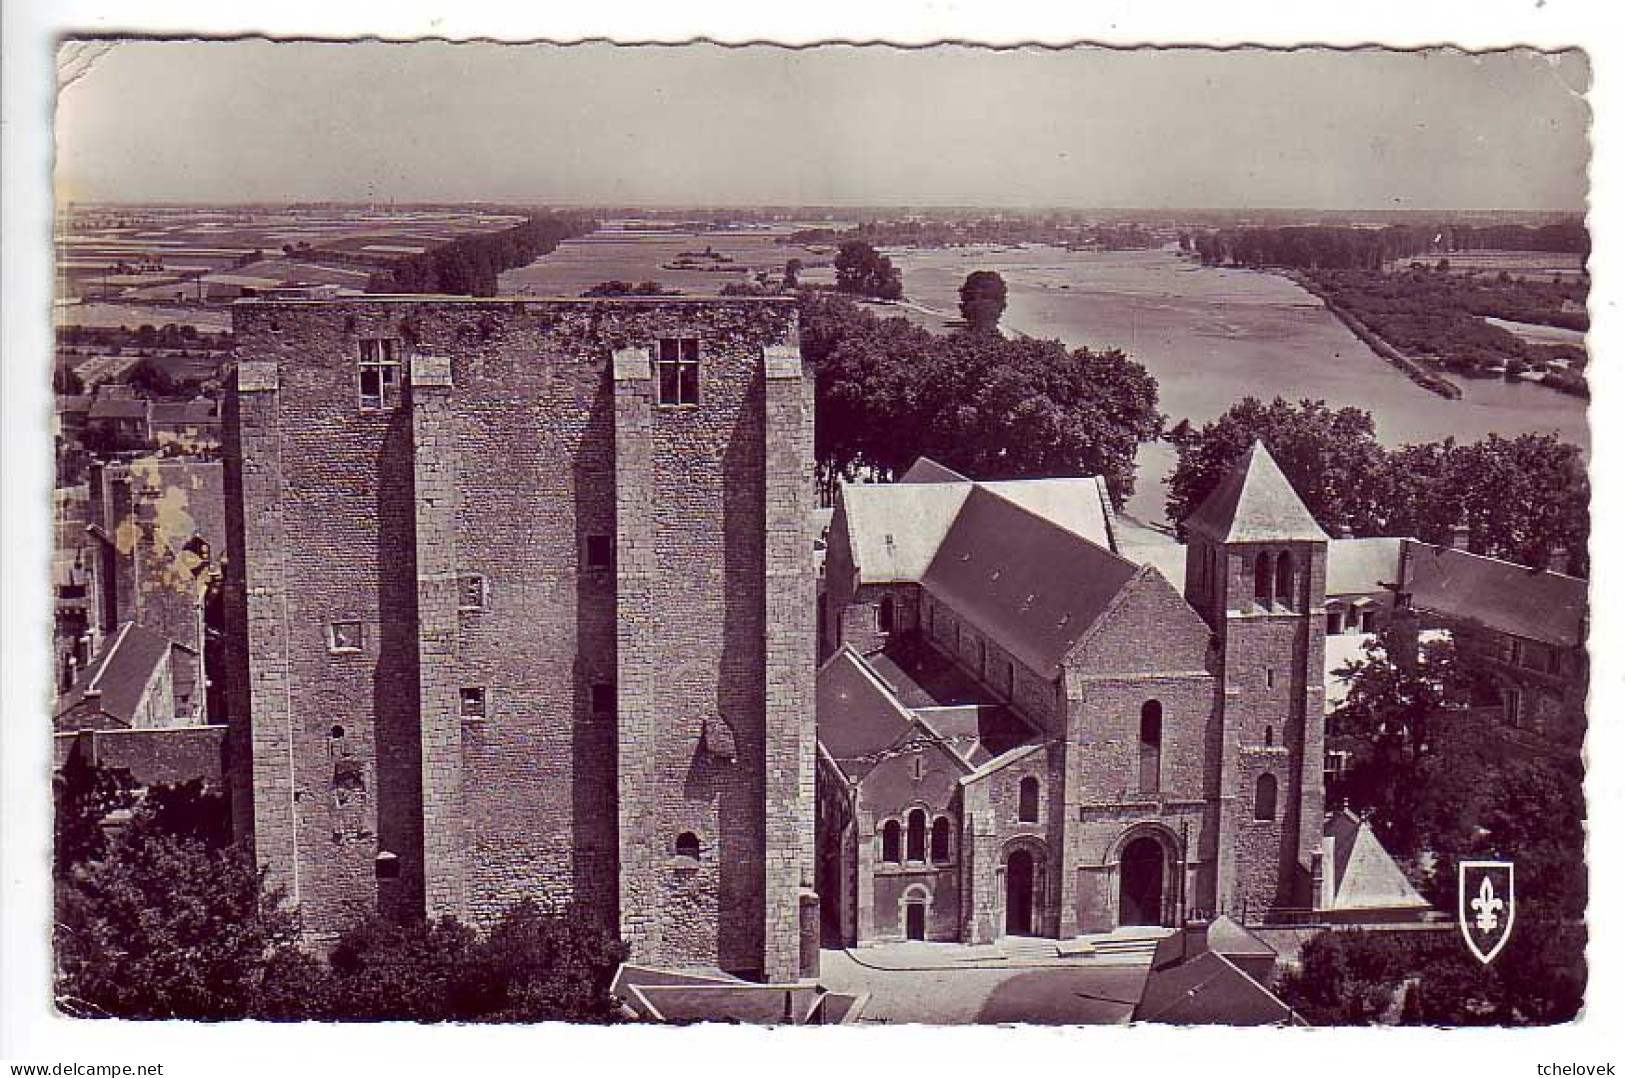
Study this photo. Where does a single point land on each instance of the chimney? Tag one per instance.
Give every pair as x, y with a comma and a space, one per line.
1558, 560
1459, 536
1193, 939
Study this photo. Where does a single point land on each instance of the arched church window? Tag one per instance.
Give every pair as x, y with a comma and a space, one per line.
1264, 799
1150, 746
1262, 580
688, 845
916, 835
941, 840
1269, 737
891, 842
1027, 800
1283, 580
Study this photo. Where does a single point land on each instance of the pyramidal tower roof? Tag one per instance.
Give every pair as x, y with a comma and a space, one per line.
1255, 503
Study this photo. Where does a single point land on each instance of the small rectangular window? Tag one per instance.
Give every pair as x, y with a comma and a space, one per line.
677, 362
472, 703
344, 636
379, 370
600, 552
471, 592
603, 698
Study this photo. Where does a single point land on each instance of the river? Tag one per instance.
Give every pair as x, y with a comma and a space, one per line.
1212, 336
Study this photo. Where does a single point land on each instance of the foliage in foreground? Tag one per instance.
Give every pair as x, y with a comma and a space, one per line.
170, 920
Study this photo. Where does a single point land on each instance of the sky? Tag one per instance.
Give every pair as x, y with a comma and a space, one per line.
237, 121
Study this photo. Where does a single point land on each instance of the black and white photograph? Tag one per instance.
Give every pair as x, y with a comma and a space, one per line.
693, 534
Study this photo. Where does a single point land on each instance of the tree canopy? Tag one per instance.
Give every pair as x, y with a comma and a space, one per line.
863, 271
890, 392
982, 301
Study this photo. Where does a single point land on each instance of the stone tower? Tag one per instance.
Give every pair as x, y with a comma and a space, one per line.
521, 602
1256, 572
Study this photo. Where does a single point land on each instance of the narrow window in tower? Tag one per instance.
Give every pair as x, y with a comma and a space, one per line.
379, 371
1027, 800
603, 698
916, 835
1264, 799
886, 620
471, 592
600, 552
1262, 580
1269, 737
678, 366
1269, 677
344, 636
688, 845
472, 702
919, 768
1284, 590
1151, 747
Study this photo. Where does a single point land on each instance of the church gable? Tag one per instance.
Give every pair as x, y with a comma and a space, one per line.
1147, 629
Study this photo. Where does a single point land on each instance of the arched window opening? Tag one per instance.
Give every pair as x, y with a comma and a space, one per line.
1264, 799
1283, 580
1151, 746
888, 614
891, 842
1027, 800
1269, 737
1262, 580
916, 835
688, 845
941, 840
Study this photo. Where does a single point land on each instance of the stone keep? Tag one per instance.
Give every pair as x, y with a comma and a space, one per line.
514, 616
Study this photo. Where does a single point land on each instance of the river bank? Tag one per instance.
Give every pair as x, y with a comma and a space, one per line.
1412, 368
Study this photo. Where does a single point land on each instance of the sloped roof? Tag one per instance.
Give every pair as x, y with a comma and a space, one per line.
118, 408
1364, 875
114, 683
858, 715
1078, 505
1029, 584
193, 411
896, 529
1501, 595
1361, 566
926, 470
1255, 502
1210, 990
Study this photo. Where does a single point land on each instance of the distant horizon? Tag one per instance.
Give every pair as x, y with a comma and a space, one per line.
1089, 128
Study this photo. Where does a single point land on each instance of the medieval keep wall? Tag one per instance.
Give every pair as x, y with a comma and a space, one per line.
474, 734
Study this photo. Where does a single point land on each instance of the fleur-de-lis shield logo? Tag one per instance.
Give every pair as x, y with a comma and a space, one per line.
1486, 906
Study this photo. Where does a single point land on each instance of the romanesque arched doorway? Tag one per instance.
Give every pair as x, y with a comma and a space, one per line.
1019, 872
1141, 878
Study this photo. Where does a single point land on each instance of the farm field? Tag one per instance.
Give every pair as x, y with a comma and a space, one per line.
1531, 263
635, 256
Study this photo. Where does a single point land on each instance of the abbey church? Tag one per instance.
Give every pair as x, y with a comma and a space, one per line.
1027, 728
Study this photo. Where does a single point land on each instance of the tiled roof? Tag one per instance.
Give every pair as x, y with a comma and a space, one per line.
857, 715
114, 683
1361, 566
183, 412
1364, 875
118, 408
895, 529
1500, 595
1078, 505
1210, 990
1255, 502
926, 470
1031, 585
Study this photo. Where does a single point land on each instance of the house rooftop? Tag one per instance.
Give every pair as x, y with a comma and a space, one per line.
116, 679
1503, 596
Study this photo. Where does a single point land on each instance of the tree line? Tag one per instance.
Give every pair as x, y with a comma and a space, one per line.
1342, 247
470, 265
1526, 499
